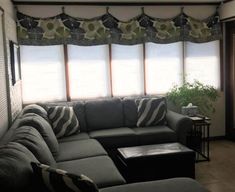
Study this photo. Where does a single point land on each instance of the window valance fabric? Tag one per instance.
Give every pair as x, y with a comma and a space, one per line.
106, 29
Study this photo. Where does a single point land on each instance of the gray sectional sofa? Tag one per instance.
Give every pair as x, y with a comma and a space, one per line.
105, 125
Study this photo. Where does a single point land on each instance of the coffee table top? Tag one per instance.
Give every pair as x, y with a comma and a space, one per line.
153, 150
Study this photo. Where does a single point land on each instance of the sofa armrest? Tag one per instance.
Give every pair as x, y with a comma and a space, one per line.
181, 124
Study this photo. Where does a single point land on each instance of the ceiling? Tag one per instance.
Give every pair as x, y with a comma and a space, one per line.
121, 1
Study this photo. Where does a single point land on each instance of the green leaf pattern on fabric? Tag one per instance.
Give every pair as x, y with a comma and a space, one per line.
198, 29
106, 29
166, 29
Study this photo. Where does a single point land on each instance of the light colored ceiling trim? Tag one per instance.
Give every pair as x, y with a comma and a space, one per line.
123, 1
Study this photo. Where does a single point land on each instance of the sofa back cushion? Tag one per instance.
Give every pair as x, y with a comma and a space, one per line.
130, 111
33, 141
8, 135
37, 109
104, 113
79, 110
16, 173
43, 127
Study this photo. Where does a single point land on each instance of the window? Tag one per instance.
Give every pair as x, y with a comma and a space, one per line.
88, 71
115, 70
127, 70
202, 63
163, 67
43, 77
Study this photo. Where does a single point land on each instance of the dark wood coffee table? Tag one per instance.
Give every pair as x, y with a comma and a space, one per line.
160, 161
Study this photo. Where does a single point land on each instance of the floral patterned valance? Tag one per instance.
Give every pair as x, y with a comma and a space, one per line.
106, 29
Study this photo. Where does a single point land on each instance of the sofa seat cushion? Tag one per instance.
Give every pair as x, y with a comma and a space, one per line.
104, 113
167, 185
79, 136
100, 169
154, 135
79, 149
116, 137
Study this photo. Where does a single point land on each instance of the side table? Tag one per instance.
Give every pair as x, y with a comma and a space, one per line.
199, 138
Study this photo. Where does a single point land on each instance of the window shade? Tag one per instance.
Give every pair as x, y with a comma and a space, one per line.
163, 67
202, 63
127, 70
88, 71
43, 76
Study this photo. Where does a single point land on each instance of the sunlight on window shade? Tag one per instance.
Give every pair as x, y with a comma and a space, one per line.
42, 71
202, 63
88, 71
127, 70
163, 67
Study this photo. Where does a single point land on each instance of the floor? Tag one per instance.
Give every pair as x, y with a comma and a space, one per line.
218, 175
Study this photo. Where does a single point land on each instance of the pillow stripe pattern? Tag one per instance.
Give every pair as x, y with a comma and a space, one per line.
51, 179
64, 121
151, 111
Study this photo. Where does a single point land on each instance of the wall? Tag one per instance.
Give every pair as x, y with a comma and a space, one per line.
3, 87
227, 10
121, 12
127, 12
13, 102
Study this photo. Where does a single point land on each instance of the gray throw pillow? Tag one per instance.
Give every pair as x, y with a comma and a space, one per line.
151, 111
63, 121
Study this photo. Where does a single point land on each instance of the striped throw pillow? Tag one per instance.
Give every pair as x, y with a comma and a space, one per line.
151, 111
63, 121
49, 179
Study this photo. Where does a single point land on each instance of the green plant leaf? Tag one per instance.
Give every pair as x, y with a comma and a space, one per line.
196, 93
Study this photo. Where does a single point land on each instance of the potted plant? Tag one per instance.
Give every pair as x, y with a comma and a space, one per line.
196, 93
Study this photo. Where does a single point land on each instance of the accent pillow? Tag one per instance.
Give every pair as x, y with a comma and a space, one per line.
151, 111
57, 180
63, 120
